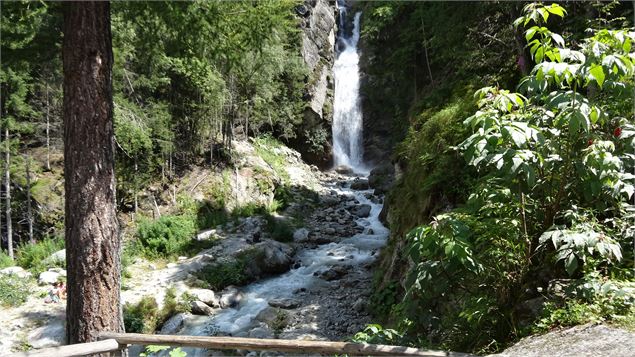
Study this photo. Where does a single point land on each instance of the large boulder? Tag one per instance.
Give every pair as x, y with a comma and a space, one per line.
359, 184
173, 325
584, 340
206, 296
17, 271
382, 178
51, 335
301, 235
201, 308
270, 257
268, 315
57, 258
362, 211
48, 277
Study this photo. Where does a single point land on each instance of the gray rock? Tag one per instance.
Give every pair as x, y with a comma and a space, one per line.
330, 200
51, 335
382, 178
268, 315
285, 303
207, 296
48, 277
17, 271
301, 235
344, 170
584, 340
230, 297
200, 308
58, 257
329, 230
173, 325
362, 211
359, 184
334, 273
260, 332
273, 257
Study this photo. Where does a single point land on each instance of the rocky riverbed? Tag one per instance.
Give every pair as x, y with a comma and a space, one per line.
315, 287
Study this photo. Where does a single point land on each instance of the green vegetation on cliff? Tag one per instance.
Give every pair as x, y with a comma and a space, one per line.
516, 219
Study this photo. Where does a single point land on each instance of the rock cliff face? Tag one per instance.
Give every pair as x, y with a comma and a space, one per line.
318, 43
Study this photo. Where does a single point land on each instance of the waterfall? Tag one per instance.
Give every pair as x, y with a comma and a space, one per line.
347, 114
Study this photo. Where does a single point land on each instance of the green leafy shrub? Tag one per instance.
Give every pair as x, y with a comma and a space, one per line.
279, 322
280, 229
141, 317
209, 215
146, 317
34, 256
14, 291
376, 334
218, 276
166, 237
590, 299
550, 200
172, 351
5, 260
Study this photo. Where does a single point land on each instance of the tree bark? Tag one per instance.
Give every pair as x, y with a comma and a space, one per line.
7, 191
29, 212
92, 231
48, 132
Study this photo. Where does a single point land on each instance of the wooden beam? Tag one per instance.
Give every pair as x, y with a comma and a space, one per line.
80, 349
255, 344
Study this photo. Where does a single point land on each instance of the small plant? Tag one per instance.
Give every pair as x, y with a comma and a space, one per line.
173, 352
279, 322
14, 291
5, 260
141, 317
376, 334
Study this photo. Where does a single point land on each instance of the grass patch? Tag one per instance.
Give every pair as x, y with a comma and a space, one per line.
266, 148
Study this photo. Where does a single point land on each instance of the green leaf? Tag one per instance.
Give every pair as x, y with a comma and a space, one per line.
556, 10
557, 39
571, 264
597, 72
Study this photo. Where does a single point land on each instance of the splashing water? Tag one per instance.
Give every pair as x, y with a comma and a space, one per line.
347, 114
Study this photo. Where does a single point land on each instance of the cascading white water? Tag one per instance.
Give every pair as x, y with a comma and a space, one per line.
347, 113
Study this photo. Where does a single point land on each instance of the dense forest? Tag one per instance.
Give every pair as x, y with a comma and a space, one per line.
501, 138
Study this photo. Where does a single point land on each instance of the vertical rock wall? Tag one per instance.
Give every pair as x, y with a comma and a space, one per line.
318, 26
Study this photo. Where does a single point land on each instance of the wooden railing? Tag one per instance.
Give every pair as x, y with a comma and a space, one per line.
111, 342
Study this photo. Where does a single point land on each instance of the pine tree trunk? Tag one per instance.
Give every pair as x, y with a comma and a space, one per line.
48, 131
7, 191
29, 213
92, 231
